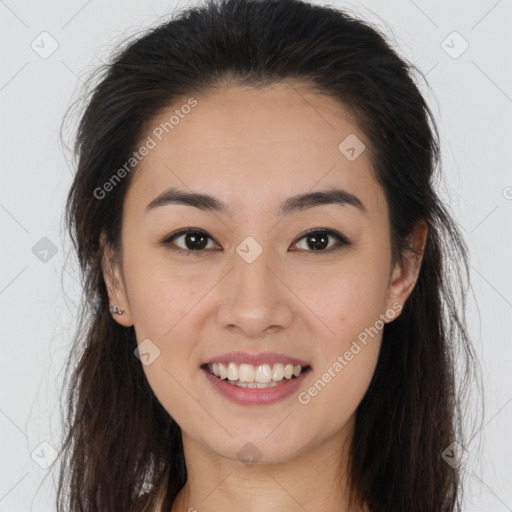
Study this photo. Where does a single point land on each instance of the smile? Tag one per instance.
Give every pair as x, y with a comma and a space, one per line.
255, 376
262, 384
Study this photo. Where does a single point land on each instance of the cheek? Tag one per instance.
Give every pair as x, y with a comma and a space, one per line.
163, 312
347, 298
351, 308
340, 385
159, 295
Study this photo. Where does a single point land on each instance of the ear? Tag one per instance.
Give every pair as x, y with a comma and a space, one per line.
405, 274
114, 282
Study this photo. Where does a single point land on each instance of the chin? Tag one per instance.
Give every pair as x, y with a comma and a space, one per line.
252, 450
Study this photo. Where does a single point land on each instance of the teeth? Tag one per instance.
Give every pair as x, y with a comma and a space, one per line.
246, 373
263, 373
223, 373
261, 376
233, 371
278, 372
253, 384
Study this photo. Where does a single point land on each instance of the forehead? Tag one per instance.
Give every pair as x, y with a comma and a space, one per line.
250, 145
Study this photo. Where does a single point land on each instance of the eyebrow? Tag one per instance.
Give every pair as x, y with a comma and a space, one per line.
298, 202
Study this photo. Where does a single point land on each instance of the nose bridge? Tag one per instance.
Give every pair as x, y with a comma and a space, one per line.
251, 268
256, 297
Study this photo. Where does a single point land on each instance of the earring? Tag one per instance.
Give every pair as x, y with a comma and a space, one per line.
115, 310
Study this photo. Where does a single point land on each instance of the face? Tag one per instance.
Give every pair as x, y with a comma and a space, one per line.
249, 279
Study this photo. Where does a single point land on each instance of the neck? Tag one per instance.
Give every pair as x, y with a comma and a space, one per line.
314, 481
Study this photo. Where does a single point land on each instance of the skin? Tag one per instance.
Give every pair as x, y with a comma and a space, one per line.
253, 148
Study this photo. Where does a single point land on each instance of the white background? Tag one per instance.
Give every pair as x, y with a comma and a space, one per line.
471, 96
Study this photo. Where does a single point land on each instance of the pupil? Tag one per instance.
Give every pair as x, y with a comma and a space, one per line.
193, 238
315, 237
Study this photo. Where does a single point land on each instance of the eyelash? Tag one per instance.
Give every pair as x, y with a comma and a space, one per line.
341, 239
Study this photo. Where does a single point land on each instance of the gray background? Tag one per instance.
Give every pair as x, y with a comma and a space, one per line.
471, 96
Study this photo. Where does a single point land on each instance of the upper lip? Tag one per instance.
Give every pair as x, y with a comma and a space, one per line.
255, 359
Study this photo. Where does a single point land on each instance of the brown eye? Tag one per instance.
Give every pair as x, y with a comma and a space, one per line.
192, 240
196, 240
318, 240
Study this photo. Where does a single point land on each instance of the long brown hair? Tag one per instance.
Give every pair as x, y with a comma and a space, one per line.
120, 442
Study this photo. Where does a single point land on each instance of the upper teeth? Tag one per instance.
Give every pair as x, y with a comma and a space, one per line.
249, 373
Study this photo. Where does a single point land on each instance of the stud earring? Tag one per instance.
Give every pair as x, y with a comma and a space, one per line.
115, 310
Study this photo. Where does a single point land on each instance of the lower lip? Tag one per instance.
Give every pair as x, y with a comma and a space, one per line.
255, 396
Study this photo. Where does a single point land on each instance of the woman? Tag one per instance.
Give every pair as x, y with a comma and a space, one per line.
271, 315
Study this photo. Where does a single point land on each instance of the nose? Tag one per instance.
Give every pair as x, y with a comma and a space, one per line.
256, 300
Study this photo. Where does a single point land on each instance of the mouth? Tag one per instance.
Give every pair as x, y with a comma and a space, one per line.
260, 376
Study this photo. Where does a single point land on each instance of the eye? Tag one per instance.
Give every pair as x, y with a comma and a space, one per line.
318, 240
194, 239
